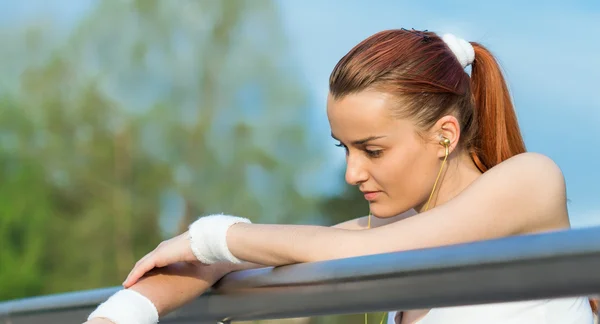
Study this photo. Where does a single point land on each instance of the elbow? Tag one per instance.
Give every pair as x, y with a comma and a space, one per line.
547, 191
541, 174
549, 179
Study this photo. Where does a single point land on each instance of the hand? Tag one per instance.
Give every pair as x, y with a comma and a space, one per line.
167, 252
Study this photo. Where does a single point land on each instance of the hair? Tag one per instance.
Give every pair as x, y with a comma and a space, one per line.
421, 71
426, 77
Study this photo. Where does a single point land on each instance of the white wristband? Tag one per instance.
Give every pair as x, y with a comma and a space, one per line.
127, 307
208, 238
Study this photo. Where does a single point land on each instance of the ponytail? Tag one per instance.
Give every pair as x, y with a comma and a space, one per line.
498, 136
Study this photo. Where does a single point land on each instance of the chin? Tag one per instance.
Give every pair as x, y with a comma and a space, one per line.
385, 211
382, 211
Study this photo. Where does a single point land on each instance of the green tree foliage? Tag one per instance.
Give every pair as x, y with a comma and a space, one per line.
116, 133
145, 115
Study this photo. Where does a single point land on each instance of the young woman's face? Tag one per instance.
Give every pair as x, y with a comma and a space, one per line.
386, 158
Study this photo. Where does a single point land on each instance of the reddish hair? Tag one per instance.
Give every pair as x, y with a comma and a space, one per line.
421, 70
426, 77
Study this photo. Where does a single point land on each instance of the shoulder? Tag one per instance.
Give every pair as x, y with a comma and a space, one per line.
533, 175
528, 188
540, 168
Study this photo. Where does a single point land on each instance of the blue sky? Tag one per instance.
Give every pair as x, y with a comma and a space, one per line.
547, 50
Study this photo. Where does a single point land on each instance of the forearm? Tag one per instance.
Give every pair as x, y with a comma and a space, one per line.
362, 223
277, 245
170, 287
173, 286
166, 288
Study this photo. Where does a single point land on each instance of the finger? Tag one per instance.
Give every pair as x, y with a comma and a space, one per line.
137, 273
140, 261
139, 270
143, 259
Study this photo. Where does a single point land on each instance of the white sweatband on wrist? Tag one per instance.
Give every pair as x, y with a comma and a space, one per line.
127, 307
208, 238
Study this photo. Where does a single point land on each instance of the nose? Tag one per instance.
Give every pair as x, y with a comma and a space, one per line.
356, 172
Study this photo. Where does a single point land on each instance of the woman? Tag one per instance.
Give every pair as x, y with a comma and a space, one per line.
439, 157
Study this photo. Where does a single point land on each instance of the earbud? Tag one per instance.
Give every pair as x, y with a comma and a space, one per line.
445, 142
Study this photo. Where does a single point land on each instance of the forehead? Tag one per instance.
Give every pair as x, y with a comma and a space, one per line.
363, 114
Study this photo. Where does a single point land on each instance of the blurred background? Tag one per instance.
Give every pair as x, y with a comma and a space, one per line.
123, 120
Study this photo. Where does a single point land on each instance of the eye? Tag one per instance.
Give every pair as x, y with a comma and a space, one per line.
374, 153
339, 144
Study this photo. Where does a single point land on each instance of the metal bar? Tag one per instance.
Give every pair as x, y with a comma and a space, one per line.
548, 265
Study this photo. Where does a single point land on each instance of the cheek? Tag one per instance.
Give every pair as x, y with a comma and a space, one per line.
404, 177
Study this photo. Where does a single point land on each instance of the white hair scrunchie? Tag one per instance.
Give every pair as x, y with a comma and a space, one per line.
463, 50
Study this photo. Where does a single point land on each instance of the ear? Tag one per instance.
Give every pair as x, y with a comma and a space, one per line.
446, 127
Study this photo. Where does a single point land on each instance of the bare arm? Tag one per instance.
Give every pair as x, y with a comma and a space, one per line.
183, 281
361, 223
175, 285
172, 286
521, 195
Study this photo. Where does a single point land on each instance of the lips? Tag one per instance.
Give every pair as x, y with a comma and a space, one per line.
371, 195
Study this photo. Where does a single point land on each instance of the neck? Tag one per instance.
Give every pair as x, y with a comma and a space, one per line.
459, 172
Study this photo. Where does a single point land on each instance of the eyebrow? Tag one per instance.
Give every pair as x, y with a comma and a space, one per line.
360, 141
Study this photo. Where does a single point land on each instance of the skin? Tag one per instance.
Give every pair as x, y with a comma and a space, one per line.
172, 286
400, 162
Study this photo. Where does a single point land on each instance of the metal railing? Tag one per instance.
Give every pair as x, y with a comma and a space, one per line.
549, 265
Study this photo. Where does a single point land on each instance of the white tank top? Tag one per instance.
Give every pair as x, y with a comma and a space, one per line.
548, 311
